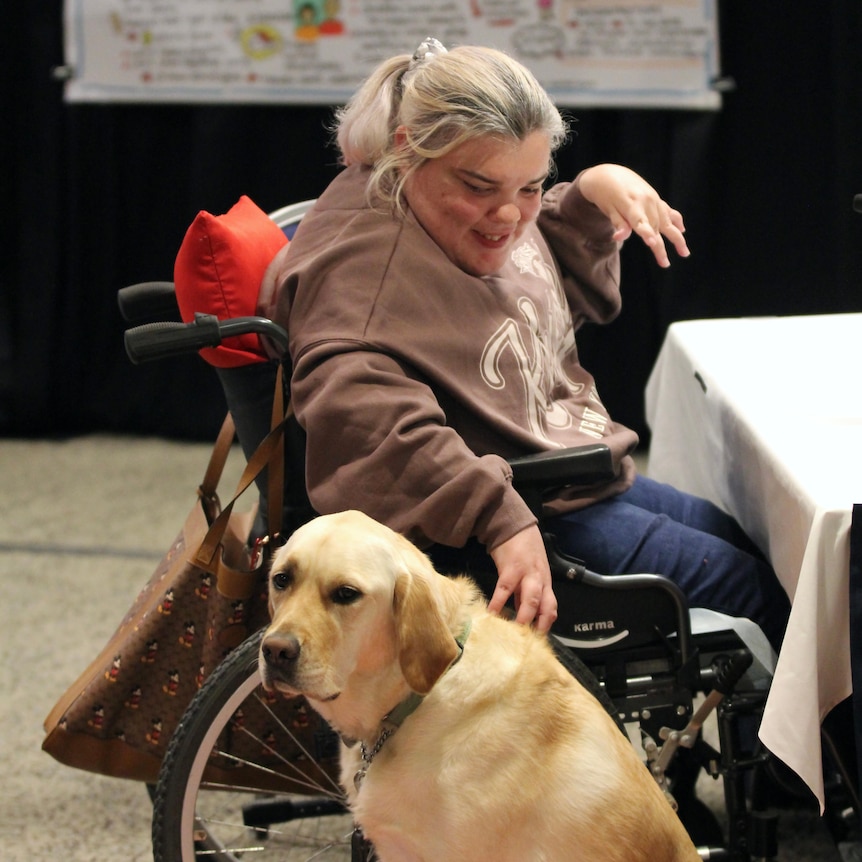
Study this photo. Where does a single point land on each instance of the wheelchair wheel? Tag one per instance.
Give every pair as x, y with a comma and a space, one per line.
247, 775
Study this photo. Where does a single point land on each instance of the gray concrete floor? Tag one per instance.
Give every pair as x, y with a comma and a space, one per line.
83, 522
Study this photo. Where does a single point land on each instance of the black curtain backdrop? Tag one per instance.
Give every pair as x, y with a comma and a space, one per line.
95, 197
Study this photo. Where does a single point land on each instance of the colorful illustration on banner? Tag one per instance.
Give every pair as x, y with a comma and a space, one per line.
261, 41
331, 25
315, 18
307, 18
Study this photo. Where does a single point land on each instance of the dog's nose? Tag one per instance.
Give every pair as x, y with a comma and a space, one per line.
280, 651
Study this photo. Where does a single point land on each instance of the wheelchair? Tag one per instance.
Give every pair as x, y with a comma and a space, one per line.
235, 782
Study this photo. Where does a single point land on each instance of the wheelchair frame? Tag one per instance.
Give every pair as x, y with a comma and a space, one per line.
633, 636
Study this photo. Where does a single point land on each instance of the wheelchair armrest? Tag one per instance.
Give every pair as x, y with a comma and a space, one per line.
535, 475
579, 465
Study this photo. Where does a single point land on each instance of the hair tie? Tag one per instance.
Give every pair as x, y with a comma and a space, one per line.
428, 49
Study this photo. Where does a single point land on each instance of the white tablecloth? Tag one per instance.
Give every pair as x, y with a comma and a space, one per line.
763, 416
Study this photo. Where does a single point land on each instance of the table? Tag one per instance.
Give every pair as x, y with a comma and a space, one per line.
763, 416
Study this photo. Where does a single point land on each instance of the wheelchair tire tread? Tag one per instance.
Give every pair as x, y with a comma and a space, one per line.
186, 741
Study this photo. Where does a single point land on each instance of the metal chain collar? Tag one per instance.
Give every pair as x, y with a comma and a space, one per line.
368, 756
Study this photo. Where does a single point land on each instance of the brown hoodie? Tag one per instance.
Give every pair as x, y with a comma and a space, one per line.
415, 380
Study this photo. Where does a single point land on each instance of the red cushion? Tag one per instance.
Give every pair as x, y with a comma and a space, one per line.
218, 271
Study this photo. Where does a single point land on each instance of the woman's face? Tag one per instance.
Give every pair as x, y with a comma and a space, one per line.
476, 201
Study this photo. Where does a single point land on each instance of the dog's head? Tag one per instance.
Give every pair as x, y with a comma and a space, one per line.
353, 602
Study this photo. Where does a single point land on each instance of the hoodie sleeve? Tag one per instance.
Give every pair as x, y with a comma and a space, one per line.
385, 448
579, 236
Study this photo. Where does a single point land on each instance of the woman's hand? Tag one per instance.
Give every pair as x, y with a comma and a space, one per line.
633, 205
523, 571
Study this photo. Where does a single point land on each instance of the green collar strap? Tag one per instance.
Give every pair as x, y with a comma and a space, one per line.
413, 701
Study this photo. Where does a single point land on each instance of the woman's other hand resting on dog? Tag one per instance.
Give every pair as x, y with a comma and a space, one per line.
523, 573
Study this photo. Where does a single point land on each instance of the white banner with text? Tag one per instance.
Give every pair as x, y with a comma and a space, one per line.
585, 52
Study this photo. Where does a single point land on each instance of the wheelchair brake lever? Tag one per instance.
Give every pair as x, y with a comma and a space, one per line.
660, 757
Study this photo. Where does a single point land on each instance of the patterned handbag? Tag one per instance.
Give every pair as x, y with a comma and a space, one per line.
204, 598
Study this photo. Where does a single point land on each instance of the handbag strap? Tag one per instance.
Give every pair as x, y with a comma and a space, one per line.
275, 476
208, 488
270, 452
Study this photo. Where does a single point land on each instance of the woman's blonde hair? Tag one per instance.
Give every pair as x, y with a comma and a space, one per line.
440, 100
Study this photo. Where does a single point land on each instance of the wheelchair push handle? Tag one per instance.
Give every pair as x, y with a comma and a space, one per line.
152, 341
166, 338
148, 300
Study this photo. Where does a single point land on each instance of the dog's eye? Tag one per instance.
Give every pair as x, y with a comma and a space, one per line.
346, 595
281, 581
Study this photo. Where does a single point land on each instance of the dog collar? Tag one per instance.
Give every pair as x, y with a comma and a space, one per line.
413, 701
393, 720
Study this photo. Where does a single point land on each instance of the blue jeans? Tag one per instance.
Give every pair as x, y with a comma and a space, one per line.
653, 527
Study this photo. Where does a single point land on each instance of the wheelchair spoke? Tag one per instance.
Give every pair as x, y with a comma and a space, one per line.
296, 741
296, 777
300, 841
209, 847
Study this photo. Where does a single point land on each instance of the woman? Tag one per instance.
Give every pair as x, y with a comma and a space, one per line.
432, 298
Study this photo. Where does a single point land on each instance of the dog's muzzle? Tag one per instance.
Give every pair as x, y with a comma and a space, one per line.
279, 657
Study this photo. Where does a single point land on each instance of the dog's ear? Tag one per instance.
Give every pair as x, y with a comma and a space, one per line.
426, 647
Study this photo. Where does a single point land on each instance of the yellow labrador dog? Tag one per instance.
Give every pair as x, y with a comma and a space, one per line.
465, 739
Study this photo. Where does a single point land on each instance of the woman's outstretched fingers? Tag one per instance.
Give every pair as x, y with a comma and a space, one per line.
634, 206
